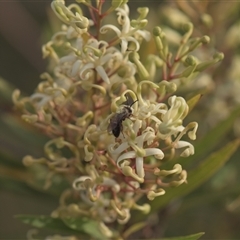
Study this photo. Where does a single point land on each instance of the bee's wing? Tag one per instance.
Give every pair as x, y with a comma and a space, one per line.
113, 122
129, 100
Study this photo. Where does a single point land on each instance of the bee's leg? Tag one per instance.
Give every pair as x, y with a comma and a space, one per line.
121, 129
131, 116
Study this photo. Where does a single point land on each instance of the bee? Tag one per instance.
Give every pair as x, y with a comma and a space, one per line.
115, 124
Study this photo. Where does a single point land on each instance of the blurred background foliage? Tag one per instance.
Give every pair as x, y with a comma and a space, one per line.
210, 202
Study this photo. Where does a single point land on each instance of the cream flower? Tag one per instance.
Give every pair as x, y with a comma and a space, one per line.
66, 15
166, 126
128, 34
183, 144
94, 55
172, 120
138, 152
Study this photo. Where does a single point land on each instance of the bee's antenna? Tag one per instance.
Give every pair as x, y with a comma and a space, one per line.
129, 100
133, 102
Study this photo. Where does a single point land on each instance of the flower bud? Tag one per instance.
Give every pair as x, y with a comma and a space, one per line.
143, 11
30, 118
142, 71
218, 56
207, 20
29, 160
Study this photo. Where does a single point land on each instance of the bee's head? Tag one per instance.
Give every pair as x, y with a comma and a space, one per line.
128, 109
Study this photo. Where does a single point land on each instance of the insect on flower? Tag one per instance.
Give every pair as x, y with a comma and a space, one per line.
115, 124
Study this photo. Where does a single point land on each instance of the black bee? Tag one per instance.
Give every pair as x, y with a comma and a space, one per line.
115, 124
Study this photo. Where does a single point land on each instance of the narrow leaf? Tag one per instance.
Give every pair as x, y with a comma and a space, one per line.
6, 90
193, 101
189, 237
84, 225
211, 139
46, 222
133, 228
214, 136
199, 175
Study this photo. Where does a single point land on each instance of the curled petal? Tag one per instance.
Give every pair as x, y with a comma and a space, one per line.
189, 148
139, 167
77, 184
144, 34
112, 183
42, 99
75, 68
131, 39
107, 27
137, 125
106, 58
155, 119
118, 150
128, 155
125, 220
154, 152
102, 74
86, 70
107, 216
124, 45
70, 58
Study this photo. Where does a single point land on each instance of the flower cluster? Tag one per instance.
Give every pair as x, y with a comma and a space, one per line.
96, 74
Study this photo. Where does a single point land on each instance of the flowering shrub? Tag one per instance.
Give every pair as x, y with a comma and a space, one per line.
100, 83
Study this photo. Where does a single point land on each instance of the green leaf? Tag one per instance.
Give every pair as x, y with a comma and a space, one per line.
133, 228
199, 175
32, 179
41, 221
75, 226
6, 90
19, 187
22, 137
207, 198
193, 101
84, 225
210, 140
189, 237
10, 161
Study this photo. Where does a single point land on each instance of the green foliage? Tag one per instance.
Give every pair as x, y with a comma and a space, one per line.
84, 225
189, 237
78, 226
193, 101
200, 174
